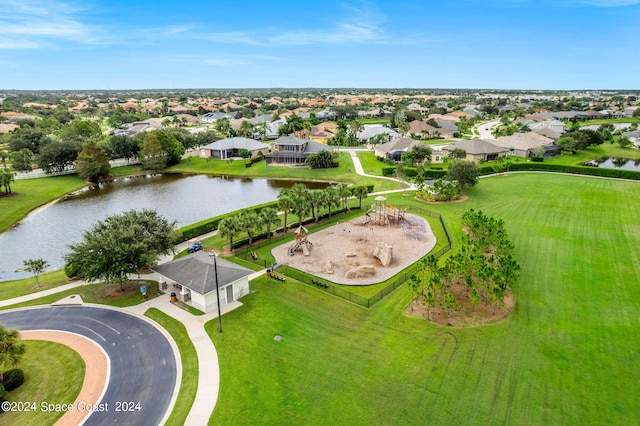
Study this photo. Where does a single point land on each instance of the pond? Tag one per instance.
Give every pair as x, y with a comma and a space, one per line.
615, 163
47, 232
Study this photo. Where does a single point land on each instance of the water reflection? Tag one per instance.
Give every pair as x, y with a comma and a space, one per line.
186, 199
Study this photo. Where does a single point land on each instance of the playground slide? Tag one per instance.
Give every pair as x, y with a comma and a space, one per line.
294, 247
305, 250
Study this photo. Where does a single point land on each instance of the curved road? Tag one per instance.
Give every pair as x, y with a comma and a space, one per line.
143, 364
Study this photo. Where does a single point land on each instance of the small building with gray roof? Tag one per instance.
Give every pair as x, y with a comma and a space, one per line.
195, 277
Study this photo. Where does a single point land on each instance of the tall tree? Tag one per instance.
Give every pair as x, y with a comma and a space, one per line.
331, 199
360, 192
269, 217
464, 172
6, 177
121, 244
152, 155
11, 348
229, 227
92, 163
298, 193
58, 155
36, 267
22, 160
249, 221
344, 192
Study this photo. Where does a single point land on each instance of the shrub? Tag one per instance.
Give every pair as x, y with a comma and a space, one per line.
537, 159
3, 397
13, 378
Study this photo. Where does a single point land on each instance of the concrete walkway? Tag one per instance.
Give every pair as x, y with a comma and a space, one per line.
208, 368
357, 165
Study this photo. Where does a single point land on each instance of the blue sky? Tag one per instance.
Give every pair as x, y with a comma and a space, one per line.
501, 44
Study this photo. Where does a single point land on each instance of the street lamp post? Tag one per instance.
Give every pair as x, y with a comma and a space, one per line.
215, 270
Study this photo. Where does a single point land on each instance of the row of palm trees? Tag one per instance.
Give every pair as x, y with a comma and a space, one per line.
298, 200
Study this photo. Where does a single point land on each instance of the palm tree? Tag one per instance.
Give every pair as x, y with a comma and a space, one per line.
360, 192
246, 128
249, 221
223, 126
299, 194
331, 198
344, 192
11, 349
285, 203
269, 216
314, 200
228, 227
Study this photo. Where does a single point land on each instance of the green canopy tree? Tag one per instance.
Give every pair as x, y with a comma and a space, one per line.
22, 160
92, 163
120, 245
36, 267
464, 172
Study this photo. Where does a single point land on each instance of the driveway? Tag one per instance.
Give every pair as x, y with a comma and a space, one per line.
142, 361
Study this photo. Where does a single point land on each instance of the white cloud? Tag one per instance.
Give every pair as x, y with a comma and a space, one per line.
38, 21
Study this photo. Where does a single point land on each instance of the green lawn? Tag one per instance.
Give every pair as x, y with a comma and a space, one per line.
344, 173
16, 288
32, 193
189, 359
98, 293
370, 163
567, 354
53, 373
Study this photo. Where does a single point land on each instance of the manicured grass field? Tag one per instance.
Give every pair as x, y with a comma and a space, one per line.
31, 193
189, 360
96, 293
15, 288
370, 163
567, 354
53, 373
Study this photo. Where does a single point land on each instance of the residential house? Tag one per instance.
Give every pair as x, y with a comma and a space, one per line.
633, 137
426, 131
323, 132
521, 144
212, 117
369, 131
477, 149
230, 148
195, 277
393, 150
292, 151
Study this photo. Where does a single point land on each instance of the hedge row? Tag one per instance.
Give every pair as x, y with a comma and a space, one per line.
208, 225
412, 171
579, 170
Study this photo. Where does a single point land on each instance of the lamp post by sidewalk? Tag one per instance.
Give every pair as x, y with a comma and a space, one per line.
215, 270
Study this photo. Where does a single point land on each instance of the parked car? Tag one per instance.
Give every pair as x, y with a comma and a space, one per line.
194, 247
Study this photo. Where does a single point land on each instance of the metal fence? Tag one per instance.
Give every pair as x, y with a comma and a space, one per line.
248, 255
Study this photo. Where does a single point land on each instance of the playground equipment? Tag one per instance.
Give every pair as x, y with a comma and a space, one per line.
384, 215
300, 242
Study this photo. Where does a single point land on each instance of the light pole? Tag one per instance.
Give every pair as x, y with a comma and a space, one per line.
215, 270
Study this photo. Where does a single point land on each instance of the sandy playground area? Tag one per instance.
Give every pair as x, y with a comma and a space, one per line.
345, 250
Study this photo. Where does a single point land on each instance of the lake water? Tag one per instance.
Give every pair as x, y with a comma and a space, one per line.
47, 232
618, 163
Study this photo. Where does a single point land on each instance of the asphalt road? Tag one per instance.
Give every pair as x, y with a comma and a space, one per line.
143, 365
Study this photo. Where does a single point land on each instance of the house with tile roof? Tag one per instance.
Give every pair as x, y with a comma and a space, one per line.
293, 151
229, 148
477, 149
394, 149
521, 144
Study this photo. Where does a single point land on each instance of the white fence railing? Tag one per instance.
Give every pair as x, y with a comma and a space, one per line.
38, 173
